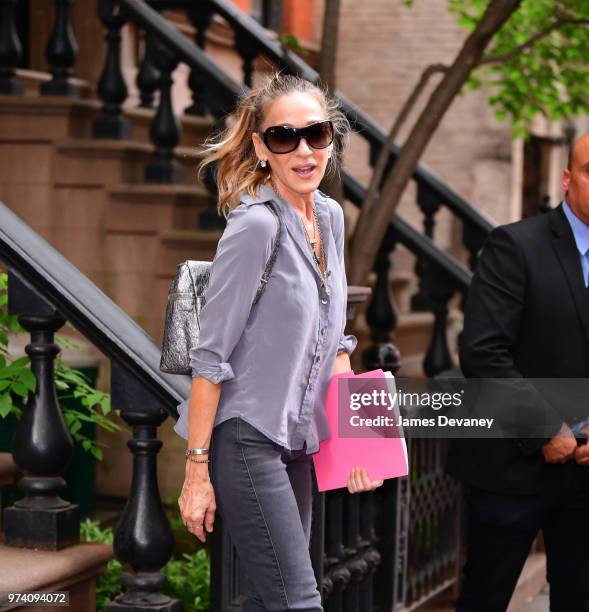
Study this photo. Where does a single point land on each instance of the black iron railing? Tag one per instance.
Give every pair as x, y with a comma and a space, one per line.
45, 290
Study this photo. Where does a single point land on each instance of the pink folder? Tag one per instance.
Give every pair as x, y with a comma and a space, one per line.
383, 457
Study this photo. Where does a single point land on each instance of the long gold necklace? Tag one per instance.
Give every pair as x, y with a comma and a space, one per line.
320, 260
312, 240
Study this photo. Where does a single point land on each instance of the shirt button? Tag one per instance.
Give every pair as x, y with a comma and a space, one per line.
324, 301
322, 331
317, 359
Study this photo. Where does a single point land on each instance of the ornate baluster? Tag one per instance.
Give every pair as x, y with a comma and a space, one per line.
201, 16
438, 289
271, 16
370, 554
143, 540
148, 76
473, 240
392, 526
10, 50
61, 53
165, 128
248, 51
42, 444
355, 563
112, 88
381, 315
337, 576
429, 205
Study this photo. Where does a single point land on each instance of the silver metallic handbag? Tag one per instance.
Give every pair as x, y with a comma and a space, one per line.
186, 298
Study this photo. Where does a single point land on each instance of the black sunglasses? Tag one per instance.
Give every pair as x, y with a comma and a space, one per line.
284, 139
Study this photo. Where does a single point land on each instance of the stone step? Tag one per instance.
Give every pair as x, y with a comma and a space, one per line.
181, 244
31, 80
146, 207
93, 162
48, 118
72, 569
193, 129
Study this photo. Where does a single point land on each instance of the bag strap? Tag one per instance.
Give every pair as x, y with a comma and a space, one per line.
272, 258
193, 285
269, 263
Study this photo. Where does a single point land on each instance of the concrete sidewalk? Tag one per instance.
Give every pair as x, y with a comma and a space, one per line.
540, 603
530, 595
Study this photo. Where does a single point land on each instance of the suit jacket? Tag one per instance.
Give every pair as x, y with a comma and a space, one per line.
526, 315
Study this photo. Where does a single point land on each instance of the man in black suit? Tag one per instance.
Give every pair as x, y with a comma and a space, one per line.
527, 316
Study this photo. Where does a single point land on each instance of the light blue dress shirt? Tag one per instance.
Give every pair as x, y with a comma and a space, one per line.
274, 358
581, 234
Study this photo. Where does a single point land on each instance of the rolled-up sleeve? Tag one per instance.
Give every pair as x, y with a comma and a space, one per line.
347, 342
236, 271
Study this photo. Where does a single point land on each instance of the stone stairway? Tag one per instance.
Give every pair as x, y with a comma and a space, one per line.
89, 199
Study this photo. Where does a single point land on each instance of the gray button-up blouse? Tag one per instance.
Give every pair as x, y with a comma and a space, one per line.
274, 358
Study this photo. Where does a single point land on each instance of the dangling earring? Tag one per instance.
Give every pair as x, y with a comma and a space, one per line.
263, 163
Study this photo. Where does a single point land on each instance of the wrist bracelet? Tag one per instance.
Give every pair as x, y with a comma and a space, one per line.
199, 460
196, 451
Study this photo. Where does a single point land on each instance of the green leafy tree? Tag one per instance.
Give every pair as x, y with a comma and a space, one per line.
17, 380
532, 56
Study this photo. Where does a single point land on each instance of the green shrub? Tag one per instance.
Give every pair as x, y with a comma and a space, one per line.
17, 380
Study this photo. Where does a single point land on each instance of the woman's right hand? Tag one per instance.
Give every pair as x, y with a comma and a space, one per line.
197, 500
359, 481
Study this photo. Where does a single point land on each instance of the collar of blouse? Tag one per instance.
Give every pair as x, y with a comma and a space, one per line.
293, 222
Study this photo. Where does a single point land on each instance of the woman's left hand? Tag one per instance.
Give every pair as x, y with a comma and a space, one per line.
359, 481
341, 364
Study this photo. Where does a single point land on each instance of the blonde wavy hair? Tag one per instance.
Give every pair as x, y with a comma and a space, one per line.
238, 168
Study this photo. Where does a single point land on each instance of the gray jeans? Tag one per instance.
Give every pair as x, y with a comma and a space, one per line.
264, 496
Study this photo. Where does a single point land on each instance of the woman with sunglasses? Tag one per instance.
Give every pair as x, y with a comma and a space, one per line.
261, 371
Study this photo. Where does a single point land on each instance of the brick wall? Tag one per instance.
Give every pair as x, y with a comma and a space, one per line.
383, 49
